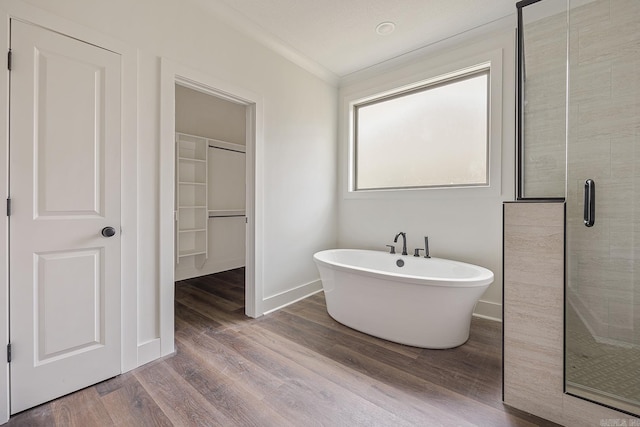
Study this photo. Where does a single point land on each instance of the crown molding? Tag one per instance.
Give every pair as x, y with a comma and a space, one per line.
253, 30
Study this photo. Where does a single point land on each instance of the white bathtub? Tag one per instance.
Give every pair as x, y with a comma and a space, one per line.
427, 302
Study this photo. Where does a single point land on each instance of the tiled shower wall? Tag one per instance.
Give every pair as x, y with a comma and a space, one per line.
603, 144
544, 98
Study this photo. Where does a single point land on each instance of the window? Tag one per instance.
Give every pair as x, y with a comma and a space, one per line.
432, 135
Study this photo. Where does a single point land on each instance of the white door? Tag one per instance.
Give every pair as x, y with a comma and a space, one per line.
64, 189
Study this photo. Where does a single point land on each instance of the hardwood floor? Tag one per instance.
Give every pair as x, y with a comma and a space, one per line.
294, 367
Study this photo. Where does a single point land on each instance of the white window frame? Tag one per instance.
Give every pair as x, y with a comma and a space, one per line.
441, 81
429, 75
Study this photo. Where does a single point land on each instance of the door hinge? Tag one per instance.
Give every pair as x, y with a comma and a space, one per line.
9, 60
8, 207
9, 353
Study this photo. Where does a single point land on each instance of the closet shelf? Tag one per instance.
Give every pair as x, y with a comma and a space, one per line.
191, 253
192, 207
192, 230
191, 159
191, 183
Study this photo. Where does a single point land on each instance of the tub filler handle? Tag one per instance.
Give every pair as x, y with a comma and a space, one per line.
392, 249
426, 247
416, 252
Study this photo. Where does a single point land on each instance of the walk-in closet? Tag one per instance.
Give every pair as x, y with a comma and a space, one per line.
210, 184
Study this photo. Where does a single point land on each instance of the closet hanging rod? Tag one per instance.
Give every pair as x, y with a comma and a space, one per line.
226, 213
227, 149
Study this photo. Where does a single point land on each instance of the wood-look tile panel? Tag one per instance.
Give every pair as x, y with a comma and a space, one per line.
533, 279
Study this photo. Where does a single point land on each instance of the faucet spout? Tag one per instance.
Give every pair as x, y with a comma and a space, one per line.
404, 241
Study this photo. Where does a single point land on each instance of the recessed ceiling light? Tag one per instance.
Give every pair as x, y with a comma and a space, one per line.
385, 28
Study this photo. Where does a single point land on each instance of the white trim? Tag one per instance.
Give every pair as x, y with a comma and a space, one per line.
19, 10
488, 310
267, 39
4, 230
506, 23
171, 74
283, 299
148, 351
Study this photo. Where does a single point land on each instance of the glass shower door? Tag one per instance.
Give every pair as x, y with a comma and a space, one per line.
603, 203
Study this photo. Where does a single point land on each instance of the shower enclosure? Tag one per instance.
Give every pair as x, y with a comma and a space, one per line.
579, 139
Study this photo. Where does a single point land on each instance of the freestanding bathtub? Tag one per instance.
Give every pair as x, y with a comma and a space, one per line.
422, 302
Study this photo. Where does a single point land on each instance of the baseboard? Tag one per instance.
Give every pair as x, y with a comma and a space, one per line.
211, 267
488, 310
148, 351
286, 298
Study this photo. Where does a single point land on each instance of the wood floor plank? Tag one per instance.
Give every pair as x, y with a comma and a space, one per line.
223, 392
40, 416
209, 306
469, 409
256, 380
452, 373
323, 401
388, 368
220, 304
293, 367
183, 405
219, 287
413, 410
131, 405
80, 409
194, 320
110, 385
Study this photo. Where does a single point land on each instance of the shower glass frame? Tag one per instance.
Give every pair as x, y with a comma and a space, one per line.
599, 395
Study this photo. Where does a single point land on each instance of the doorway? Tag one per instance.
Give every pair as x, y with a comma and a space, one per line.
210, 192
210, 184
230, 237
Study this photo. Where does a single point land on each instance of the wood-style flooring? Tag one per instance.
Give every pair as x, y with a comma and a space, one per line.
294, 367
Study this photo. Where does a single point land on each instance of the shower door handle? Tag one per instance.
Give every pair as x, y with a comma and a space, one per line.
589, 203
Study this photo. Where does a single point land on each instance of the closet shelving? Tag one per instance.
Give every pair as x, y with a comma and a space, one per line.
191, 197
193, 209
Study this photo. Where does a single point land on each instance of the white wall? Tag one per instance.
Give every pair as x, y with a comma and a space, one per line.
299, 153
461, 224
205, 115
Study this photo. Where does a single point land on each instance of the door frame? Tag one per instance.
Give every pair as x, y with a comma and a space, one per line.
15, 9
172, 73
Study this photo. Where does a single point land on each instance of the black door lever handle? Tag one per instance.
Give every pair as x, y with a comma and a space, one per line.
589, 203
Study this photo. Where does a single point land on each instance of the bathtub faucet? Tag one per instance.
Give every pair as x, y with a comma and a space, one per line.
404, 241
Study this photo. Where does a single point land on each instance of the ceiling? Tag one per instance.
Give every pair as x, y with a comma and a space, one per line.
340, 35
